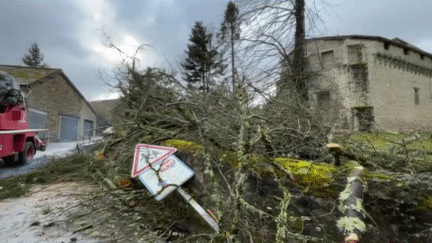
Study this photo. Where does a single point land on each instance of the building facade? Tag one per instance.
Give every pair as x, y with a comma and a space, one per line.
370, 82
54, 102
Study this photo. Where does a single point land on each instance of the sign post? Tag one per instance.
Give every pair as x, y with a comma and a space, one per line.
161, 173
199, 209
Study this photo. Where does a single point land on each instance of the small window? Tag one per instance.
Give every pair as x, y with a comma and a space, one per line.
327, 60
416, 96
430, 88
363, 118
323, 99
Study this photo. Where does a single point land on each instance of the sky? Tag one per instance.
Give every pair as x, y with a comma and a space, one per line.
70, 32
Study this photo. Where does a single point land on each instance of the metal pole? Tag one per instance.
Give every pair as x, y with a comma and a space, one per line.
199, 209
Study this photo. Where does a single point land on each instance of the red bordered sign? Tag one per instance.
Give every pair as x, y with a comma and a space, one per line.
149, 154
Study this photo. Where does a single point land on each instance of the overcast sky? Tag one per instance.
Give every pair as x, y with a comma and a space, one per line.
69, 32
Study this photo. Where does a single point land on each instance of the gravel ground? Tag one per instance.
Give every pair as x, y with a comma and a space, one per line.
41, 216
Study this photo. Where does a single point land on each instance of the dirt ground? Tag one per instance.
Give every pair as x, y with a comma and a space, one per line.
63, 212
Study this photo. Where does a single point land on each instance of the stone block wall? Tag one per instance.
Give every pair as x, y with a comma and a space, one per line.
57, 97
368, 75
395, 77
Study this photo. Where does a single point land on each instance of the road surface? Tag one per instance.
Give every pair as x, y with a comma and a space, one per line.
56, 149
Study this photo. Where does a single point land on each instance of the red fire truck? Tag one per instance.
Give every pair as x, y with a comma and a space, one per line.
18, 143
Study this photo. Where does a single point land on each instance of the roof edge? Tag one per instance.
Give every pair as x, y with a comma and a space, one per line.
17, 66
375, 38
60, 72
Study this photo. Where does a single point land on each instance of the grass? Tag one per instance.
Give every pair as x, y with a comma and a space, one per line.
391, 150
77, 167
386, 141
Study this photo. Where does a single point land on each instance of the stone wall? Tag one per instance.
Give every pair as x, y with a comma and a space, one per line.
86, 114
368, 78
57, 97
395, 75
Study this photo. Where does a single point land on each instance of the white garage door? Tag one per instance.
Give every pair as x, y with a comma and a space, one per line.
68, 128
38, 120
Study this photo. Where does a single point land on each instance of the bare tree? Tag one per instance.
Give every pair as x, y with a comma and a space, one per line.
273, 42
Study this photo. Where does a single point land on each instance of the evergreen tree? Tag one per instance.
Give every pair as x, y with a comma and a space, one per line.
202, 61
231, 27
34, 58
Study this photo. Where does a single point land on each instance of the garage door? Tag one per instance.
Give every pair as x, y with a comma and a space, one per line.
38, 120
88, 125
68, 128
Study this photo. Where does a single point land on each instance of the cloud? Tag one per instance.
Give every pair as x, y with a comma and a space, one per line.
389, 19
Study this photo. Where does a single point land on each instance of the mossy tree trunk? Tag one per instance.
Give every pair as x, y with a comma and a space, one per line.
351, 205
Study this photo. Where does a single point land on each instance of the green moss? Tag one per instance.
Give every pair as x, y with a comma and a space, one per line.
185, 146
230, 158
424, 203
27, 73
315, 177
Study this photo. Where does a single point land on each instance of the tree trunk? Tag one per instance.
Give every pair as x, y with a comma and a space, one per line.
299, 51
232, 59
351, 206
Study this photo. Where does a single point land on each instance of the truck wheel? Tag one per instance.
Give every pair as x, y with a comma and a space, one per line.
9, 160
27, 154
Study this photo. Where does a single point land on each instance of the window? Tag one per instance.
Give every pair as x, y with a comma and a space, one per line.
327, 59
416, 96
356, 53
363, 118
323, 99
430, 88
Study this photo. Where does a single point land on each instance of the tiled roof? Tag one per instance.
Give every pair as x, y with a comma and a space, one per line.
28, 75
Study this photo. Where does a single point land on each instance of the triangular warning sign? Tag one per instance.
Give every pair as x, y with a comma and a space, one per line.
149, 154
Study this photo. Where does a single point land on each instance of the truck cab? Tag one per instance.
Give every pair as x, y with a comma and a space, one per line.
18, 144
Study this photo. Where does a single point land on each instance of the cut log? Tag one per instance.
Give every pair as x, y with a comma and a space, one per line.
352, 225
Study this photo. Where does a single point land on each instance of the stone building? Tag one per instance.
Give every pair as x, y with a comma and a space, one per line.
371, 82
54, 102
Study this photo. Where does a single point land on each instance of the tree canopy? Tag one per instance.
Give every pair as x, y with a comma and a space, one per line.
34, 58
230, 26
202, 60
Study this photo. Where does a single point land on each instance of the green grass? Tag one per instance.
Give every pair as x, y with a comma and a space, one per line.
386, 141
392, 150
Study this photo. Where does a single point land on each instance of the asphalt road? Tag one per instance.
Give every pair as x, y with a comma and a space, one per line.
58, 149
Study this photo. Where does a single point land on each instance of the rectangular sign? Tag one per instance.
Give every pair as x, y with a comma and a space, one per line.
168, 171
